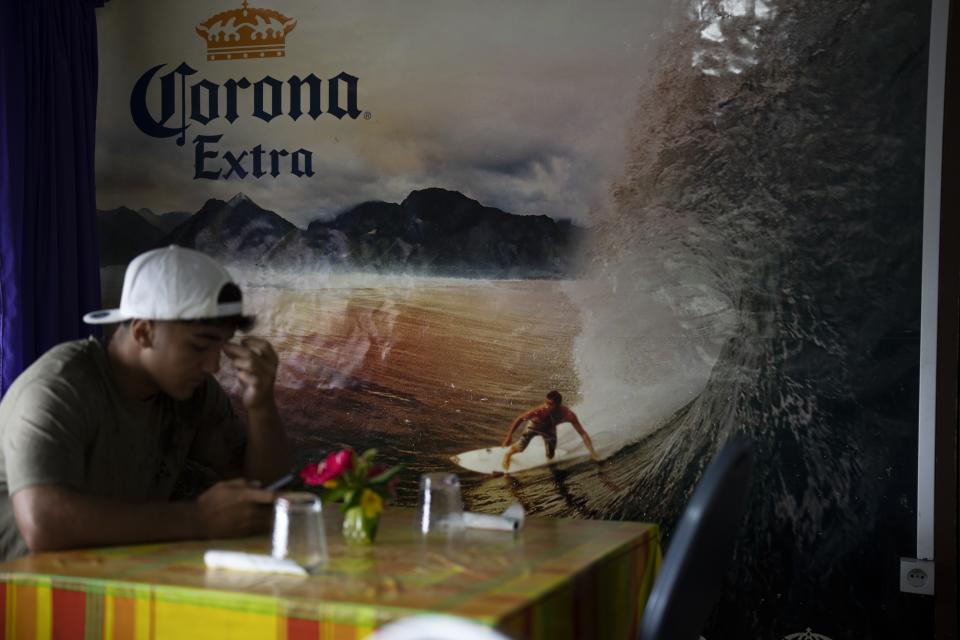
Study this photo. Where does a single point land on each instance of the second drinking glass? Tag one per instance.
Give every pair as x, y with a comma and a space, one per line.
440, 507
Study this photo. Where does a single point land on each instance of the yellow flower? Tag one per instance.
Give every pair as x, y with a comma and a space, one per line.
371, 502
330, 484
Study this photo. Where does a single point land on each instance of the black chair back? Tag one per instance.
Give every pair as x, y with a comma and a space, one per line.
690, 579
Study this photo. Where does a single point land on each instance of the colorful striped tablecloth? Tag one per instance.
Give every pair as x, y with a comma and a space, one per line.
556, 579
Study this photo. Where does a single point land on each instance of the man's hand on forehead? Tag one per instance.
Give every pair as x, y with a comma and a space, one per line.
256, 365
249, 346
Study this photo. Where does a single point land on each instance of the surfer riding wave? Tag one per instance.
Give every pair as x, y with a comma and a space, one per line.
542, 421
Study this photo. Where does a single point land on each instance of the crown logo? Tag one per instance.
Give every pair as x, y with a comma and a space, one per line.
247, 32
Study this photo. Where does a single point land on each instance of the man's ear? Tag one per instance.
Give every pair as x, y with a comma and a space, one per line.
144, 333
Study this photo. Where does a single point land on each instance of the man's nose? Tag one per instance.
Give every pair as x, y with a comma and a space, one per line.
211, 361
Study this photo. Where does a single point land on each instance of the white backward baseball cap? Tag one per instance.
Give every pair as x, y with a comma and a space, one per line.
173, 283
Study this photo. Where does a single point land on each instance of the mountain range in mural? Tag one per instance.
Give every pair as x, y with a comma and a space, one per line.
433, 231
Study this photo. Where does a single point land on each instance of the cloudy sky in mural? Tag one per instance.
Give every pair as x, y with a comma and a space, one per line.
518, 106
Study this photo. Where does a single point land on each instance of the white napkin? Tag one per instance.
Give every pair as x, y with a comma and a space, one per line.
237, 561
510, 520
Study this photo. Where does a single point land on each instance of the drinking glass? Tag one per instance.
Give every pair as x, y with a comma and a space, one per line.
440, 507
298, 533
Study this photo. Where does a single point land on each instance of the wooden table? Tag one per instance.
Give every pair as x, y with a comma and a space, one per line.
555, 579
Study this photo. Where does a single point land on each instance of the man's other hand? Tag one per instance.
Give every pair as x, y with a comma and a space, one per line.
256, 365
234, 508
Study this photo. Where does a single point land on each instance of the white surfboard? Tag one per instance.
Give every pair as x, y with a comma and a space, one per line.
490, 460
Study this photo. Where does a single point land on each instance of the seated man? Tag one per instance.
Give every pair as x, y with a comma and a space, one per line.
94, 434
542, 421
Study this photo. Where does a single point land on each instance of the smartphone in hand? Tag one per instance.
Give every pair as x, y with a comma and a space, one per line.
281, 483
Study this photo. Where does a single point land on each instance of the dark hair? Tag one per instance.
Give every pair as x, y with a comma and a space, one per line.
555, 396
237, 323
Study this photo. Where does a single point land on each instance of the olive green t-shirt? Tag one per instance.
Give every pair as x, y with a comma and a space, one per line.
64, 422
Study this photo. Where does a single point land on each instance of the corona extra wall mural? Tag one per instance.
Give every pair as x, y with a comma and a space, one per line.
692, 219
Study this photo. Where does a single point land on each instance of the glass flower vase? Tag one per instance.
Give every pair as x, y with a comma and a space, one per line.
359, 527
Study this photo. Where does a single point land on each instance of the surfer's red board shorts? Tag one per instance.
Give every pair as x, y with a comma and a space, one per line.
530, 432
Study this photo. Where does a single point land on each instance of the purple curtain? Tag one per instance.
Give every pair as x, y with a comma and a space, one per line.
49, 273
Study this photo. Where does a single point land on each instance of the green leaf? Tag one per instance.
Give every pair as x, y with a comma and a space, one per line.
386, 475
332, 495
351, 499
382, 491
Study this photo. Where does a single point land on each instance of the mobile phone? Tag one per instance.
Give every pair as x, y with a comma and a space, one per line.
281, 483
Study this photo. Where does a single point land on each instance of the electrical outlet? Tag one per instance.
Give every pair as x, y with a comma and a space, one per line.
916, 576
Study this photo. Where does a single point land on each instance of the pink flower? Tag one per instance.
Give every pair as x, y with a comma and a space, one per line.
331, 468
